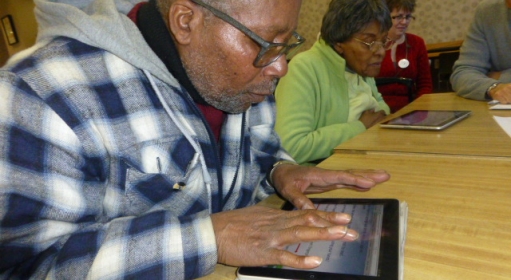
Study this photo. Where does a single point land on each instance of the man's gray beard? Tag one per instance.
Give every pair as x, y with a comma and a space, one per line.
224, 103
232, 102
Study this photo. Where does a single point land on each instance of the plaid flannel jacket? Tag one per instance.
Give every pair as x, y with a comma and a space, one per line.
92, 170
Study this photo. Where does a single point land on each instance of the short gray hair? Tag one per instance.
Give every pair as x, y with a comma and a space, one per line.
164, 7
407, 5
226, 6
344, 18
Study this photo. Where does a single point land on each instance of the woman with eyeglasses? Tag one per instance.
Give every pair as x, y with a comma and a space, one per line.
329, 94
407, 58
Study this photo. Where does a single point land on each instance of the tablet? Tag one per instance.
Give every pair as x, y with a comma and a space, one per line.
426, 119
375, 255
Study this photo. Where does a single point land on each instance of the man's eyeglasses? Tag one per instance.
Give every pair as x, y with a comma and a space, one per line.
374, 46
401, 17
270, 51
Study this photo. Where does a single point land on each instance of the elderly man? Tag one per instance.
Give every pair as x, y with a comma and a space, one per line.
136, 146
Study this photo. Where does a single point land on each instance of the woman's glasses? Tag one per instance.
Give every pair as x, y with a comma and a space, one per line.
375, 46
401, 17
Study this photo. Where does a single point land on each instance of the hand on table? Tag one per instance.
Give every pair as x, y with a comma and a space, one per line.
294, 181
372, 117
257, 235
502, 93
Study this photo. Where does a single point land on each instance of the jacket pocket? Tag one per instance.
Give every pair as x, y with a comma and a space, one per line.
178, 192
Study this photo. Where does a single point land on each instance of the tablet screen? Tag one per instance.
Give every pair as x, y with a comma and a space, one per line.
359, 257
374, 255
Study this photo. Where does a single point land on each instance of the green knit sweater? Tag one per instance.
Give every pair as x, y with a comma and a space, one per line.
313, 104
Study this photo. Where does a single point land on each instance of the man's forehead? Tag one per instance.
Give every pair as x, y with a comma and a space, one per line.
272, 16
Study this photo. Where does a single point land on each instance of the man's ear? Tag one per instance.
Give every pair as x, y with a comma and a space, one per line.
183, 18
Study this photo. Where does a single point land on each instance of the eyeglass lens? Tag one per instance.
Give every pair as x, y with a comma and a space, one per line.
376, 45
401, 17
274, 52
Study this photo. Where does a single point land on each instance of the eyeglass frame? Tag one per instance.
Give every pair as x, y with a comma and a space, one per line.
265, 45
381, 44
401, 17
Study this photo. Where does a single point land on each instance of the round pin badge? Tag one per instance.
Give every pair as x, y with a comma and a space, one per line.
403, 63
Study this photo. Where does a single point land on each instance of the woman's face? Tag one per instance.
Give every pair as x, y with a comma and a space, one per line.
400, 21
357, 54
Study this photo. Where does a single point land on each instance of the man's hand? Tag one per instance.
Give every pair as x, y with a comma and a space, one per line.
294, 181
502, 93
257, 235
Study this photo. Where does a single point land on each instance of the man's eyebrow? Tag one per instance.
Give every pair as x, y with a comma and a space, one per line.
277, 29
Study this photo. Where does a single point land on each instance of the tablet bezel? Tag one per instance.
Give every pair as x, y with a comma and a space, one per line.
461, 114
388, 266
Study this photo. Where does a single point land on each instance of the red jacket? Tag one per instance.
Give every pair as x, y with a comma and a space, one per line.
414, 49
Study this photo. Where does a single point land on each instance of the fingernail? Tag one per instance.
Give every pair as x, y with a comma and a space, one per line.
313, 261
351, 235
338, 230
308, 207
343, 217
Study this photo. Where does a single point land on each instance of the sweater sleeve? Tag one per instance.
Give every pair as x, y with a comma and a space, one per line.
308, 126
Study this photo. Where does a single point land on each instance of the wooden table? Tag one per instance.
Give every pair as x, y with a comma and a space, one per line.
478, 135
457, 184
459, 220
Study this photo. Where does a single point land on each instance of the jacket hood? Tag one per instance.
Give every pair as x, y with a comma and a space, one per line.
102, 24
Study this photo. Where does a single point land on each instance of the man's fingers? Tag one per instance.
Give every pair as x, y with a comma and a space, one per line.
306, 234
313, 218
299, 200
302, 262
300, 234
359, 178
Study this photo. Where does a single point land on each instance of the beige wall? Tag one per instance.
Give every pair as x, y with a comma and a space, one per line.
309, 24
437, 20
24, 22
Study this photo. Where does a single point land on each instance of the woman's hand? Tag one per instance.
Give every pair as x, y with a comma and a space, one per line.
372, 117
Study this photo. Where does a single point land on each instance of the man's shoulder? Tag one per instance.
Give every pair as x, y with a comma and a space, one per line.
59, 50
490, 7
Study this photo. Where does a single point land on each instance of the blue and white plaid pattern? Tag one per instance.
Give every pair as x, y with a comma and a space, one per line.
89, 161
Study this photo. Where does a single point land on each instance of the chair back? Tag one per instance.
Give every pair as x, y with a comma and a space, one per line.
445, 63
380, 81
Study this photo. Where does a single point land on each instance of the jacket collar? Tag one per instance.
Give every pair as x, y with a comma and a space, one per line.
158, 37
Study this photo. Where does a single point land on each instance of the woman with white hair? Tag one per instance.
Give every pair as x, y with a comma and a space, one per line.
329, 94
